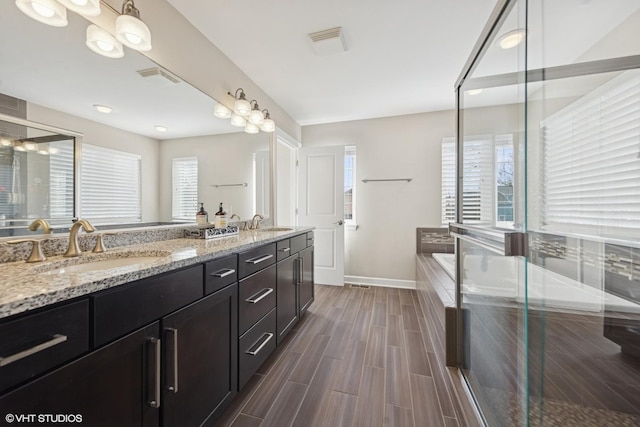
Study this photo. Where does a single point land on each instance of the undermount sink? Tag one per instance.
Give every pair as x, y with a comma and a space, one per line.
275, 229
88, 265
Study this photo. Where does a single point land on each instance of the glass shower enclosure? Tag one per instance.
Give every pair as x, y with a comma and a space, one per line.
548, 214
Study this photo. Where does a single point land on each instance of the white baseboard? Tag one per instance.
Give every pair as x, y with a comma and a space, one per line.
378, 281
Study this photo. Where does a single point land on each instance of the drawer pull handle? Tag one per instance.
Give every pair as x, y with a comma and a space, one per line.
285, 249
173, 352
263, 294
154, 355
57, 339
268, 336
223, 273
259, 259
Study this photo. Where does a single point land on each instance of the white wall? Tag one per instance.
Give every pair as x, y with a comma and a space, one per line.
117, 139
222, 159
384, 245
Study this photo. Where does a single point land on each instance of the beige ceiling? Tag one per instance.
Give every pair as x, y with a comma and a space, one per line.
403, 56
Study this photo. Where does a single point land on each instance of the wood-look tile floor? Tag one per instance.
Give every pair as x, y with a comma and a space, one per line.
357, 358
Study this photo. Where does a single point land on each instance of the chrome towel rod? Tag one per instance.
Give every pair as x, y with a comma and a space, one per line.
244, 184
392, 179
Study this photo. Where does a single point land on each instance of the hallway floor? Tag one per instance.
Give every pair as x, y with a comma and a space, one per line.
359, 357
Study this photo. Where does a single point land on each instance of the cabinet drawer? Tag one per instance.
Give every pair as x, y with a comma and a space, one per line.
283, 247
220, 273
256, 259
257, 297
298, 243
255, 346
310, 238
35, 343
123, 309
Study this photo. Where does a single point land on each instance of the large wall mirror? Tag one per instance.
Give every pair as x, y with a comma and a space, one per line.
61, 81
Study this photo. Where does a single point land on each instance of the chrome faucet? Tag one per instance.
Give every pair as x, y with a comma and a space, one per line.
255, 221
73, 249
40, 223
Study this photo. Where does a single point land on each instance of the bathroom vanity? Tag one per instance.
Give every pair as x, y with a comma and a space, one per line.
169, 342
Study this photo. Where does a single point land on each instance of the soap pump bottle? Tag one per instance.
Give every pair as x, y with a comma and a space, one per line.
221, 218
202, 217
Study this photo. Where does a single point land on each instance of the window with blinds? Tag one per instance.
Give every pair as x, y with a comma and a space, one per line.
61, 179
185, 188
349, 184
479, 180
110, 186
591, 170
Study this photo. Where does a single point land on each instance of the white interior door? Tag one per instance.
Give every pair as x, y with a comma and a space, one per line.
321, 198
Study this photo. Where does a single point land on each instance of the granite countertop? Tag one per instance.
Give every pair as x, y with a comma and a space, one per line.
26, 286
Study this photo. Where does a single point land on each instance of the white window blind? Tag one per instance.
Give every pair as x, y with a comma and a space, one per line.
110, 186
591, 171
185, 188
349, 184
61, 180
478, 183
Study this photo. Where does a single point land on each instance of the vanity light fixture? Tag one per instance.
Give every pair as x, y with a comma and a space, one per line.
255, 116
238, 121
241, 107
251, 128
130, 29
83, 7
161, 128
103, 108
43, 152
267, 125
511, 39
5, 142
103, 43
29, 146
17, 146
48, 12
473, 92
53, 150
221, 111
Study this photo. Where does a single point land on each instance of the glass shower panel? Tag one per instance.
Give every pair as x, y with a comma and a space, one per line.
491, 284
583, 175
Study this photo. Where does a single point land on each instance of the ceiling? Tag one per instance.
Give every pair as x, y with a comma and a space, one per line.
402, 57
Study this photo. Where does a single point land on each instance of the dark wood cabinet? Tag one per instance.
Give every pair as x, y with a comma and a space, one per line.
199, 359
306, 280
287, 297
117, 385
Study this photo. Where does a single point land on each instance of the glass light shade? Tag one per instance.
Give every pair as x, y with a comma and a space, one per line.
30, 146
221, 111
83, 7
251, 128
511, 39
19, 148
43, 152
5, 142
103, 43
268, 125
132, 32
53, 150
242, 107
474, 92
256, 117
238, 121
48, 12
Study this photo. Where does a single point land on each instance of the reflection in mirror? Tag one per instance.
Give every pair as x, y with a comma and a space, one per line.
36, 175
61, 81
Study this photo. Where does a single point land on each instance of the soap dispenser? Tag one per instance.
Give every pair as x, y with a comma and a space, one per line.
221, 218
202, 217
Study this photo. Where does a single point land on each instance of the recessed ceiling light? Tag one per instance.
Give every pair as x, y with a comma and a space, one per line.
161, 128
473, 92
103, 108
511, 39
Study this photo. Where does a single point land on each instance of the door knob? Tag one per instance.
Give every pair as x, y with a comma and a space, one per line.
339, 222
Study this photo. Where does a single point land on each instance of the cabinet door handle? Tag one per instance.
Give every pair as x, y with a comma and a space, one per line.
57, 339
223, 273
259, 259
285, 250
268, 336
259, 296
153, 398
172, 362
301, 271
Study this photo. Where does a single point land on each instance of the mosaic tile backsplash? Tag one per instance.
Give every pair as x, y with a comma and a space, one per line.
434, 240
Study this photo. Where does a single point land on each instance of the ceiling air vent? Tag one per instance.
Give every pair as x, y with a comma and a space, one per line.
328, 42
160, 75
